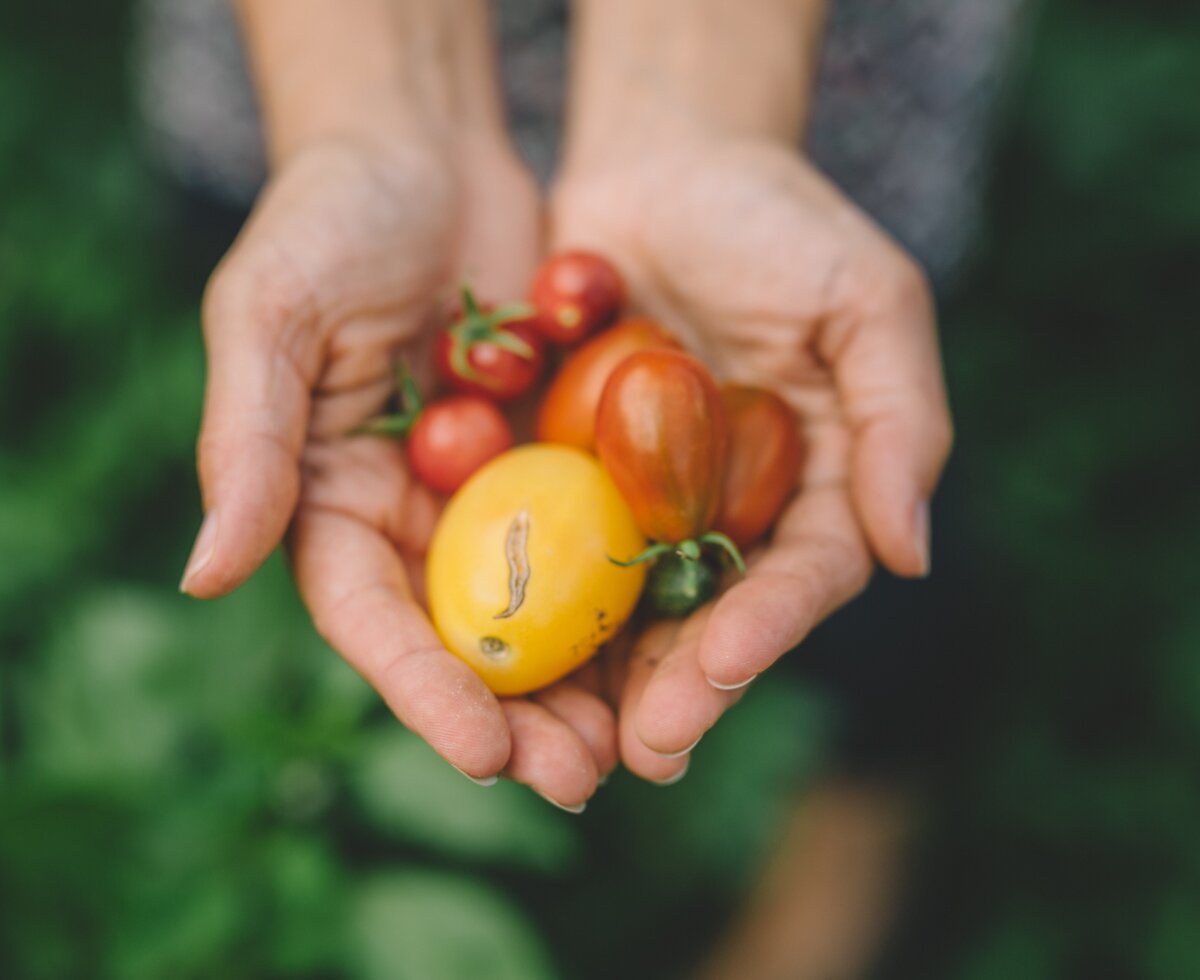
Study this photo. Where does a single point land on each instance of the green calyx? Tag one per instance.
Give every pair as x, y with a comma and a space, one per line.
690, 550
477, 327
399, 424
677, 587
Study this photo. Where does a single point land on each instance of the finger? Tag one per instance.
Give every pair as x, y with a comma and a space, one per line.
817, 561
590, 718
262, 358
636, 755
549, 756
354, 586
678, 703
888, 370
338, 413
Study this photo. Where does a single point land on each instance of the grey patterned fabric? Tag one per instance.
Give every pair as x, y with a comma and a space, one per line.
904, 97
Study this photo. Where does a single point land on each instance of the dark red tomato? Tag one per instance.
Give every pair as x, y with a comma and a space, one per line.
762, 464
568, 411
495, 353
454, 437
575, 293
660, 433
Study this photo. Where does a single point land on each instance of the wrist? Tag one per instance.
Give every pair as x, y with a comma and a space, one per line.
680, 72
374, 72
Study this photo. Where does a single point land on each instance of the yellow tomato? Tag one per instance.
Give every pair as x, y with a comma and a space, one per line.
518, 575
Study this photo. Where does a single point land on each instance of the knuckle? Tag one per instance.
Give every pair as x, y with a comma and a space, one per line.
258, 291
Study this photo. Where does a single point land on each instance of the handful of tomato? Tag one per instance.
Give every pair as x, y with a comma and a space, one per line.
642, 463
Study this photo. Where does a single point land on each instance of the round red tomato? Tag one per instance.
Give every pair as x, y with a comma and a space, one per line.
762, 465
660, 432
495, 353
454, 437
567, 413
575, 293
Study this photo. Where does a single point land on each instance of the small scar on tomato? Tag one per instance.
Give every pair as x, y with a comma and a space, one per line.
494, 648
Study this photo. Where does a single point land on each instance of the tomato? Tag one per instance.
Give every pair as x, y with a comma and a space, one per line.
518, 575
763, 462
575, 293
568, 410
454, 437
495, 353
660, 432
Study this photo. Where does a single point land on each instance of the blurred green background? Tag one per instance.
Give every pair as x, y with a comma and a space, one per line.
193, 790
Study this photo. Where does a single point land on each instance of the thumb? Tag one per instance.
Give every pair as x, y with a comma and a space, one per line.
262, 363
889, 376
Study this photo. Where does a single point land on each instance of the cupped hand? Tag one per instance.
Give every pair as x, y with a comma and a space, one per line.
353, 250
773, 278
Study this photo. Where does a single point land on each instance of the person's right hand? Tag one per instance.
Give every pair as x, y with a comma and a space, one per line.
349, 256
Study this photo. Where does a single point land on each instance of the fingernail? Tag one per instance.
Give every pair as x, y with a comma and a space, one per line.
921, 536
578, 808
681, 752
202, 551
731, 687
672, 780
485, 781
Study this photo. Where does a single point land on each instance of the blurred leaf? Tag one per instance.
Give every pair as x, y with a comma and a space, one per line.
98, 709
305, 919
407, 789
1173, 950
416, 925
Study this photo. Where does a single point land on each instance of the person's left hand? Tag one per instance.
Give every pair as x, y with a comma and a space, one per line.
773, 278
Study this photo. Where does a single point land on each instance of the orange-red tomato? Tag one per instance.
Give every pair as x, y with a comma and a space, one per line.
660, 432
453, 437
575, 293
568, 411
764, 459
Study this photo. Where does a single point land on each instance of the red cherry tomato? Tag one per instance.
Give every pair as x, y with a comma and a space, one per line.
568, 411
494, 353
575, 293
660, 433
454, 437
762, 464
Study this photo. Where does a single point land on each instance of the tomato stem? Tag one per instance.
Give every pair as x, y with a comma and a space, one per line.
408, 395
652, 552
476, 327
726, 544
689, 550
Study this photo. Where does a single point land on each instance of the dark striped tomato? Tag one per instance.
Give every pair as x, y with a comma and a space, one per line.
661, 434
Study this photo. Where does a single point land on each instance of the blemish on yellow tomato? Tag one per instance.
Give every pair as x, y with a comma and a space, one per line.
574, 597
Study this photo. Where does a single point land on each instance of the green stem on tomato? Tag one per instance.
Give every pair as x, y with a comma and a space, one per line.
476, 327
689, 550
725, 543
400, 424
652, 552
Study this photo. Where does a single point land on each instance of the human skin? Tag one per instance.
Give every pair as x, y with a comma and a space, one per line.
681, 165
392, 181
